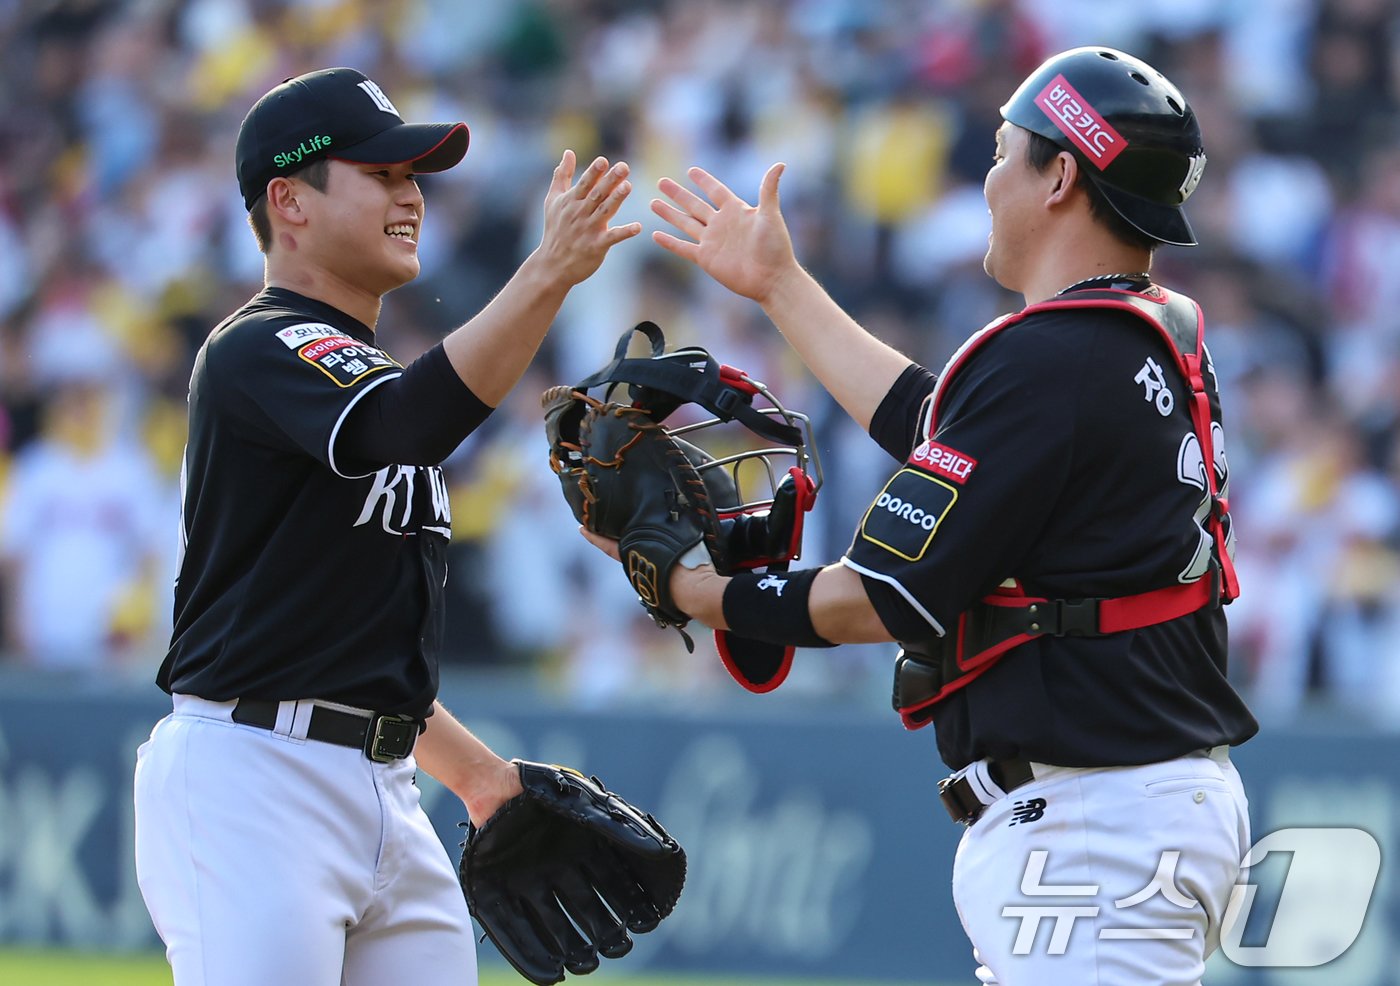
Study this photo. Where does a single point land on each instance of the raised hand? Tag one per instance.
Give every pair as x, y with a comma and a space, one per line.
576, 216
745, 248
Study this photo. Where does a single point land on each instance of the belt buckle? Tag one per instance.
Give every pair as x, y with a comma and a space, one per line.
390, 738
957, 810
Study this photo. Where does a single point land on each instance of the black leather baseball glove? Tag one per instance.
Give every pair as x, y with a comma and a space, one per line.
627, 478
564, 856
667, 501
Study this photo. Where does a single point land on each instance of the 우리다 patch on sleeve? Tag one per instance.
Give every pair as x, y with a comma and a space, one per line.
943, 461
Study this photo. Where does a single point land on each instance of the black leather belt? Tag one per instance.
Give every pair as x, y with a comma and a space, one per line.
959, 797
382, 738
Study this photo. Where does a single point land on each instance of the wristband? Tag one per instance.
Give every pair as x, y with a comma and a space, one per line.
773, 608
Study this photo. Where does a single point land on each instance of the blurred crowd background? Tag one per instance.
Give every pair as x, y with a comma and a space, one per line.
123, 241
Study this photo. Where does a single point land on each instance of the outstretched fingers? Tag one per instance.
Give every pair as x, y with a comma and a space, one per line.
768, 190
577, 215
686, 200
589, 179
683, 221
606, 205
616, 234
684, 249
605, 184
563, 174
718, 192
601, 192
745, 249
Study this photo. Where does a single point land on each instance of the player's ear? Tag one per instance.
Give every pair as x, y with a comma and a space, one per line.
282, 200
1064, 172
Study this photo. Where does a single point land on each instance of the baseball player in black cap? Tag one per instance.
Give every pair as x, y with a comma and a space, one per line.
279, 836
1055, 547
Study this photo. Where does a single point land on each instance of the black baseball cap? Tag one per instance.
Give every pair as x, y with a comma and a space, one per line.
336, 113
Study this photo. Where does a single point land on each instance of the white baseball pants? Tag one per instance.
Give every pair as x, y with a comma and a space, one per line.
1116, 876
268, 859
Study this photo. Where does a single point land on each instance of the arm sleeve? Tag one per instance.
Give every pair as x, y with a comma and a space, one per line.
894, 425
299, 386
416, 419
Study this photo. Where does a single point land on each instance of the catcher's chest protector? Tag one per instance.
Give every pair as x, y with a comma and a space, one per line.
998, 623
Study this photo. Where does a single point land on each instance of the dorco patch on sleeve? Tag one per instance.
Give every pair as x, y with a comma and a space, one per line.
345, 360
905, 516
943, 461
299, 335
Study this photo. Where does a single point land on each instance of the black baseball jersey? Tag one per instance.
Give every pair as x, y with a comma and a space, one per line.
302, 575
1063, 459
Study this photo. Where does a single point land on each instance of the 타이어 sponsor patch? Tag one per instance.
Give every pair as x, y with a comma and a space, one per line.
943, 461
905, 516
345, 360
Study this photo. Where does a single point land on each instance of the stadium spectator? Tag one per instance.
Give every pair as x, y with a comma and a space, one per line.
120, 238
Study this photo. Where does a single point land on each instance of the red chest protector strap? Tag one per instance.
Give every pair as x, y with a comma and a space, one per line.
1005, 620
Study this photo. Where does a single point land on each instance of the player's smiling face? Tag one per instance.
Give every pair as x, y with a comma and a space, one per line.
367, 224
1011, 191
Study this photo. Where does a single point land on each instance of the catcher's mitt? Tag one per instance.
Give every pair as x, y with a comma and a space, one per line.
567, 856
628, 479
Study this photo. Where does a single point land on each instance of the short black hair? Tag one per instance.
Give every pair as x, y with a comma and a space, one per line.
1040, 151
317, 174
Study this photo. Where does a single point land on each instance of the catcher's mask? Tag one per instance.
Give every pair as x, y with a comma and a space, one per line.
1132, 130
665, 382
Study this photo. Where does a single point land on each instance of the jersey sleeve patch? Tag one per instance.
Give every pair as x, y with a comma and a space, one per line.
345, 360
943, 461
905, 516
295, 336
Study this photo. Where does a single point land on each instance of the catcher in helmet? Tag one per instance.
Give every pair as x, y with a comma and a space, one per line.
1053, 549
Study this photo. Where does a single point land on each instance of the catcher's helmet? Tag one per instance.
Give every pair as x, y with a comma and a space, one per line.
1131, 129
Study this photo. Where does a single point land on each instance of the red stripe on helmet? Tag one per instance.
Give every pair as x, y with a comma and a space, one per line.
1080, 122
